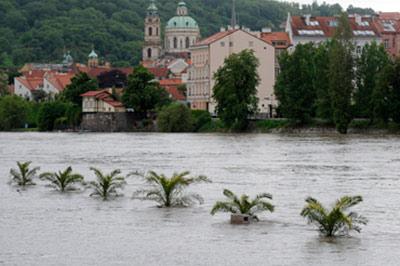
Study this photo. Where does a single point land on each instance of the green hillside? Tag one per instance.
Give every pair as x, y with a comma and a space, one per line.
38, 31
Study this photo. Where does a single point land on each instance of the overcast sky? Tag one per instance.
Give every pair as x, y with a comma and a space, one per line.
378, 5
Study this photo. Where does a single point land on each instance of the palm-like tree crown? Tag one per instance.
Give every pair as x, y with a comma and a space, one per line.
169, 192
23, 176
336, 221
63, 180
244, 205
107, 185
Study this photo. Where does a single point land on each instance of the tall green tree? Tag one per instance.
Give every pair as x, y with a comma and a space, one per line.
235, 90
381, 102
323, 105
3, 84
341, 73
13, 112
372, 61
80, 84
144, 93
295, 88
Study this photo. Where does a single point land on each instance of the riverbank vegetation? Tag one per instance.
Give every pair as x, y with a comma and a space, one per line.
337, 82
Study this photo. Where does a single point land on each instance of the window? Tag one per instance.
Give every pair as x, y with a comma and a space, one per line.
149, 53
251, 44
175, 43
386, 43
359, 49
231, 44
222, 44
150, 31
187, 42
157, 31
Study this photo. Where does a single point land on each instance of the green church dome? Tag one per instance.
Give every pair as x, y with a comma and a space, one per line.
182, 22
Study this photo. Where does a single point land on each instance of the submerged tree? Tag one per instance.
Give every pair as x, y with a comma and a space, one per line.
23, 176
337, 221
107, 185
63, 181
244, 205
169, 192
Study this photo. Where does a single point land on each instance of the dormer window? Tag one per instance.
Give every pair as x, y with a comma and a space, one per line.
333, 23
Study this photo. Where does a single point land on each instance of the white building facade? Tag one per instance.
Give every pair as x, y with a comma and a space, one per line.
209, 55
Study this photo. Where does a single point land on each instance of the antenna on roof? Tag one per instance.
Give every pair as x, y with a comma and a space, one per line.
234, 17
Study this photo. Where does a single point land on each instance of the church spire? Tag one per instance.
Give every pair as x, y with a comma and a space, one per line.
234, 17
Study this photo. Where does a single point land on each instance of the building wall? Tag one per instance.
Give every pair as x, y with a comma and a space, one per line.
21, 90
237, 42
390, 42
181, 35
49, 88
109, 122
198, 84
92, 105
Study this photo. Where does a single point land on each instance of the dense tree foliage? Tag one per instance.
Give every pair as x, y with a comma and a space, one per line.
332, 82
341, 65
175, 118
80, 84
235, 90
39, 30
112, 79
3, 84
371, 62
143, 93
295, 88
13, 112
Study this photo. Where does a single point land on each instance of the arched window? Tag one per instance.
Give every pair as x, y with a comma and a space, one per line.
150, 31
187, 42
149, 53
175, 43
157, 31
181, 44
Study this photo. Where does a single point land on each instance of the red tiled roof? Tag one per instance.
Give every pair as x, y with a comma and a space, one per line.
104, 96
170, 82
59, 80
213, 38
389, 15
299, 23
159, 72
175, 94
171, 86
277, 39
31, 83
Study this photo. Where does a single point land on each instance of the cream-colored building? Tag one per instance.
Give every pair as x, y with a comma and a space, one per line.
101, 102
208, 56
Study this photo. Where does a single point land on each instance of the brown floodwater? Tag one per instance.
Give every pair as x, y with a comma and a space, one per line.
41, 227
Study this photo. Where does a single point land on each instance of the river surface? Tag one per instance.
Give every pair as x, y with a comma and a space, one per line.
42, 227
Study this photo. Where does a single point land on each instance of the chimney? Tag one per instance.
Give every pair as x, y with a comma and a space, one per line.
230, 28
358, 19
222, 29
308, 19
237, 27
266, 30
